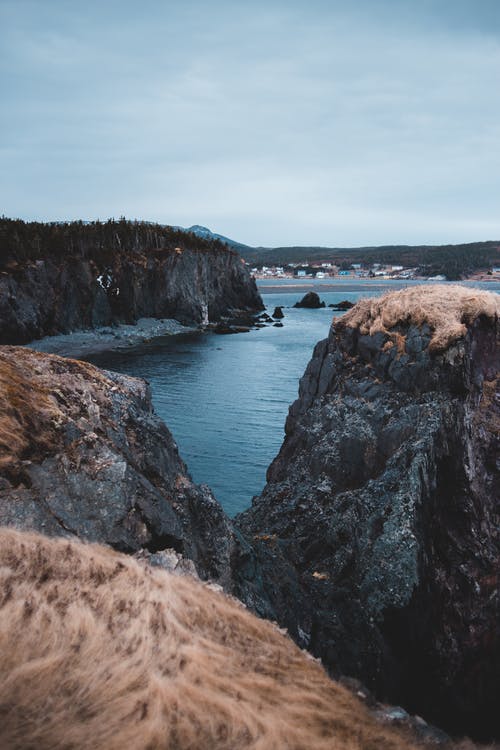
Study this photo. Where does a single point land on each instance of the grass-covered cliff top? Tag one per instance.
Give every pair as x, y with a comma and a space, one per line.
38, 393
22, 242
446, 308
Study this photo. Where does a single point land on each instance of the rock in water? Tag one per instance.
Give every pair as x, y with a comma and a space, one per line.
341, 306
311, 301
278, 313
378, 528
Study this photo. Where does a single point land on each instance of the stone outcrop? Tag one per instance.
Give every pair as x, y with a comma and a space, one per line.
310, 301
91, 284
378, 529
342, 306
83, 454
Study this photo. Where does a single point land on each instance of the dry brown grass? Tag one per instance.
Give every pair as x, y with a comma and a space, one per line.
99, 653
38, 393
447, 310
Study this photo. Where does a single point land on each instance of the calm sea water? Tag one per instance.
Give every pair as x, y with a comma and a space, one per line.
225, 398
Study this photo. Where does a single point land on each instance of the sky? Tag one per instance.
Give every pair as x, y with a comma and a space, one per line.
274, 123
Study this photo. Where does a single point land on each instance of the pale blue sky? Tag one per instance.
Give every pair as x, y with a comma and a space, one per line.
333, 123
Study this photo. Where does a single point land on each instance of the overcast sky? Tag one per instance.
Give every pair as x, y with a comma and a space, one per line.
274, 123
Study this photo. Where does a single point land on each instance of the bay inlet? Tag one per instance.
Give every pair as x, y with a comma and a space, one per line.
226, 398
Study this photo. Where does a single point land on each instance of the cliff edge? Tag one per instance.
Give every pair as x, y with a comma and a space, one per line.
378, 527
82, 454
57, 278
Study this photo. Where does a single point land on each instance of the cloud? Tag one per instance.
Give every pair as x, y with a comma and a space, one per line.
319, 123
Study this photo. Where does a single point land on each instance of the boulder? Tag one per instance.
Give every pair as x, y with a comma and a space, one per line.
310, 301
278, 313
342, 306
225, 328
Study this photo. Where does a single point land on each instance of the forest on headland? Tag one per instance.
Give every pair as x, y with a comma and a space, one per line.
22, 242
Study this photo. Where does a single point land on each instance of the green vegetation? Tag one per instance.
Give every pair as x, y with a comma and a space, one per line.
23, 242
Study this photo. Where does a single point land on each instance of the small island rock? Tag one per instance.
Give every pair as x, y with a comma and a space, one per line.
344, 305
310, 301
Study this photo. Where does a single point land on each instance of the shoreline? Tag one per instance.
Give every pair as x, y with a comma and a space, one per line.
273, 286
81, 343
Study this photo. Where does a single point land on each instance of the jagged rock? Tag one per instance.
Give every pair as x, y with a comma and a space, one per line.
225, 328
83, 454
310, 301
278, 313
378, 529
341, 306
169, 560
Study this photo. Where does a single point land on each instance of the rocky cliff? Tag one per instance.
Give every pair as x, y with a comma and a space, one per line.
58, 278
376, 539
378, 528
83, 454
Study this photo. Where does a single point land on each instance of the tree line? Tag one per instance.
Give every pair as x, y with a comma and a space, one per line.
22, 242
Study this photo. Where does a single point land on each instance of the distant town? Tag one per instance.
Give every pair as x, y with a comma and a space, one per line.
355, 271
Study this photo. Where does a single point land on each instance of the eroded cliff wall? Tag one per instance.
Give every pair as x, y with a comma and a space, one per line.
100, 276
378, 528
83, 454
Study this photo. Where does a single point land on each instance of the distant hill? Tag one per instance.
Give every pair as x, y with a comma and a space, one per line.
207, 234
453, 261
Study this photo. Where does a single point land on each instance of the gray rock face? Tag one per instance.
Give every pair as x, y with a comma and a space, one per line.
48, 297
310, 300
378, 529
376, 539
83, 454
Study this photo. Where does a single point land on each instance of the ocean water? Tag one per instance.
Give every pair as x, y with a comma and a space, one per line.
226, 398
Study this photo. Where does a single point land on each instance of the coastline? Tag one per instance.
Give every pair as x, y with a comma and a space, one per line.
108, 338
